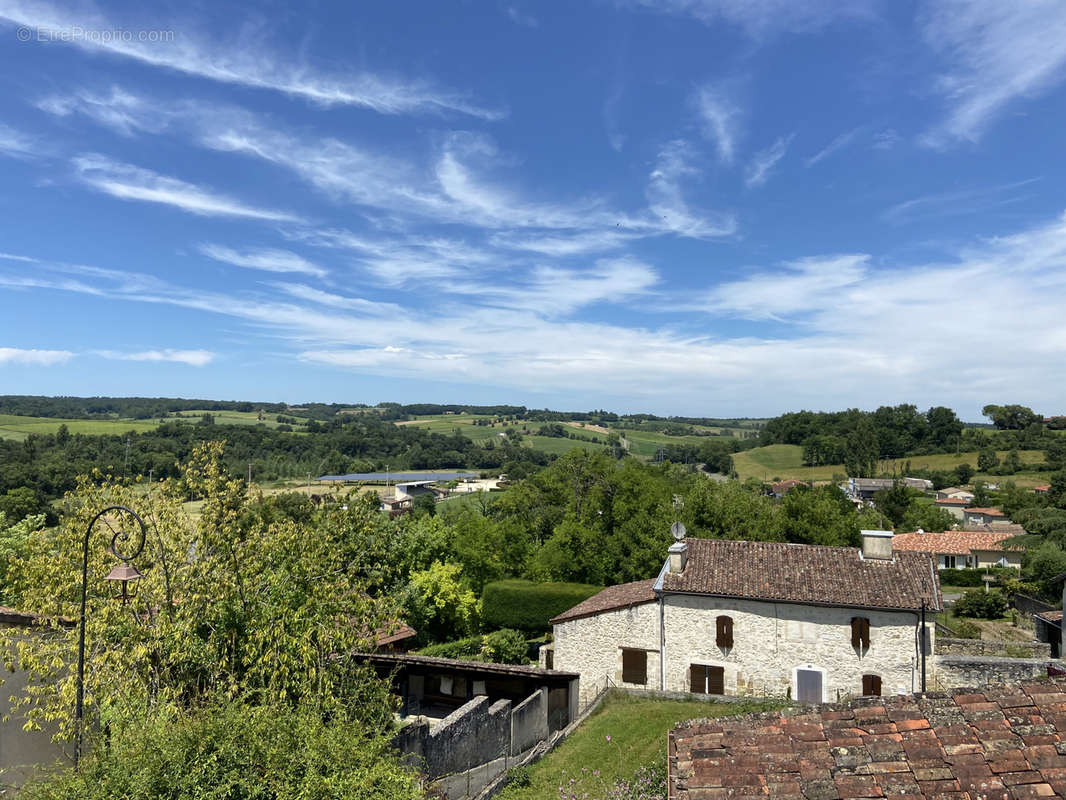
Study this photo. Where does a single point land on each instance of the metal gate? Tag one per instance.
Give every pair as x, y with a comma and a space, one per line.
808, 686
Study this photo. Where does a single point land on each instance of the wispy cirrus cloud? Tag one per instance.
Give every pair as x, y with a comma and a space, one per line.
838, 143
34, 357
246, 60
720, 118
996, 53
128, 182
844, 326
956, 203
763, 18
764, 161
192, 358
667, 203
266, 259
17, 144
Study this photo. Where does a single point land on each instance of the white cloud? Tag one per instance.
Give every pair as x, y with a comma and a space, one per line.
193, 358
519, 17
886, 139
243, 61
119, 110
761, 18
16, 144
309, 293
39, 358
720, 118
765, 160
838, 143
667, 204
793, 289
846, 328
128, 182
267, 259
561, 246
996, 52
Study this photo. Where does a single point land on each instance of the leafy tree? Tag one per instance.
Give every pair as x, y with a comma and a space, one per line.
982, 495
894, 503
17, 504
820, 516
963, 473
1056, 495
978, 603
987, 460
943, 426
1013, 462
1011, 417
424, 505
505, 646
223, 609
440, 604
862, 450
926, 517
1055, 452
1044, 564
14, 546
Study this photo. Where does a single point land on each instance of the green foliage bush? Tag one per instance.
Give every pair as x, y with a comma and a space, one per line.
978, 603
506, 646
528, 606
467, 648
235, 751
967, 630
973, 577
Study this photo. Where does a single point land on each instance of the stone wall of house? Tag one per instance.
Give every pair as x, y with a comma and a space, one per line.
592, 646
952, 672
772, 640
980, 647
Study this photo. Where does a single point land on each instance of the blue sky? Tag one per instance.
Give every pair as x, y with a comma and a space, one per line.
714, 207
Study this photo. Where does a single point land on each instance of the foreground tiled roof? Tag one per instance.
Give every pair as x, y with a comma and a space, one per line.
952, 542
623, 595
996, 742
800, 573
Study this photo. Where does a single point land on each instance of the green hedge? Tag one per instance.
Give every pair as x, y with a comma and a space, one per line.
528, 606
461, 648
972, 577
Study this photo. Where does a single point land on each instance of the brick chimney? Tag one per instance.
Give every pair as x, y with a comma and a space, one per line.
877, 545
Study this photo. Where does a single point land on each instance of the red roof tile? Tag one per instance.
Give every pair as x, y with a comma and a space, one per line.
813, 574
623, 595
997, 742
987, 511
951, 501
952, 542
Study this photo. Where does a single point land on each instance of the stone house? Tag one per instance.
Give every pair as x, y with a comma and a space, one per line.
963, 549
763, 618
953, 505
956, 492
984, 516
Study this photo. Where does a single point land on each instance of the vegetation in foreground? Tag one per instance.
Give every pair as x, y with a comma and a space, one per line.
623, 735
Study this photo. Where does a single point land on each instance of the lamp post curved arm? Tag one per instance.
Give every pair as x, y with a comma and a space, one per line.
120, 538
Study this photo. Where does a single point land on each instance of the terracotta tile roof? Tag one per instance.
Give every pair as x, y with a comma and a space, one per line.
391, 634
784, 486
991, 512
623, 595
1051, 616
1045, 487
459, 665
951, 501
952, 542
798, 573
997, 742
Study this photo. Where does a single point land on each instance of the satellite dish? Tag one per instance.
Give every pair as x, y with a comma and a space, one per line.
677, 530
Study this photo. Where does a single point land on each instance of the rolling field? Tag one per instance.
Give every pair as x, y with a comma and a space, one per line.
785, 461
231, 418
18, 427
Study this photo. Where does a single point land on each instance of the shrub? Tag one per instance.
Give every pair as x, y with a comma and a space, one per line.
234, 751
468, 648
967, 630
528, 606
978, 603
506, 646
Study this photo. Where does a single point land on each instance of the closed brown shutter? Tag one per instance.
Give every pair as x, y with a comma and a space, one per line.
724, 638
860, 633
697, 679
634, 667
871, 685
715, 680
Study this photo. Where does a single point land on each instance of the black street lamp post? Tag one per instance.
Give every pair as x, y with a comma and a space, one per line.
123, 573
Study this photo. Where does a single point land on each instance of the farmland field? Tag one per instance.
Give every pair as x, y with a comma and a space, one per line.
782, 461
18, 427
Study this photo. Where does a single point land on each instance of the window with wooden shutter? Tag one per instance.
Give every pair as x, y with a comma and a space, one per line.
634, 666
715, 680
871, 685
725, 632
860, 633
697, 679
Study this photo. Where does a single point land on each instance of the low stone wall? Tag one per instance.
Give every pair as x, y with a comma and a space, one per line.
529, 722
470, 747
951, 672
979, 647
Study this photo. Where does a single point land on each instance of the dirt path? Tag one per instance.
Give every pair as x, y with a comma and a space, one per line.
584, 426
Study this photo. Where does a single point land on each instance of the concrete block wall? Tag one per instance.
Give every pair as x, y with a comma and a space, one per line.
529, 722
472, 734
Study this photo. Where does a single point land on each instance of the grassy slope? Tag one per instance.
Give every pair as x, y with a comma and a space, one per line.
637, 727
786, 461
18, 427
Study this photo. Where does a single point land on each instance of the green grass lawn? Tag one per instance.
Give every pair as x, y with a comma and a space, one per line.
786, 461
623, 734
18, 427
